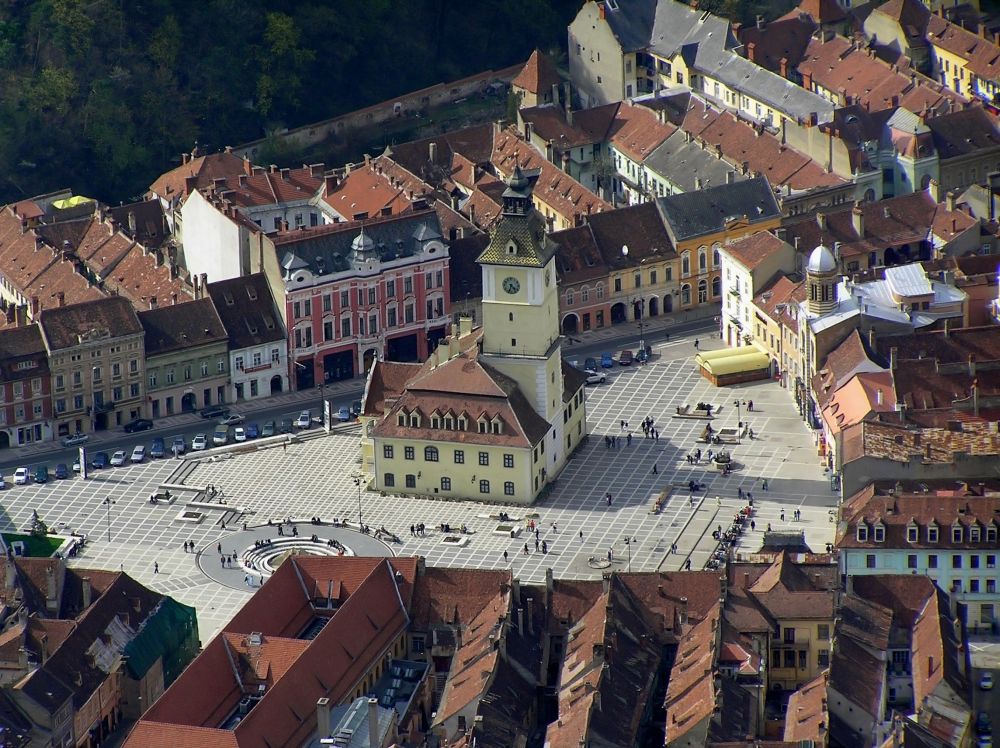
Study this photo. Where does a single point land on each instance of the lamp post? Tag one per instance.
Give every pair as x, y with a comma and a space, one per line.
739, 423
358, 483
109, 502
628, 546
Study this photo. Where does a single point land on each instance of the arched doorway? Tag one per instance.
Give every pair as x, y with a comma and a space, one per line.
618, 313
716, 287
4, 440
188, 402
570, 324
654, 306
702, 291
275, 384
370, 357
668, 304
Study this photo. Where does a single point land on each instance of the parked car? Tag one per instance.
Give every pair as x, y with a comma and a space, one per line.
607, 361
304, 420
355, 409
178, 445
61, 472
590, 364
625, 358
157, 449
119, 458
343, 413
986, 681
984, 741
139, 453
100, 461
594, 377
199, 443
3, 484
21, 476
984, 726
74, 440
42, 474
239, 434
76, 465
253, 431
214, 411
220, 435
269, 429
285, 427
139, 424
232, 420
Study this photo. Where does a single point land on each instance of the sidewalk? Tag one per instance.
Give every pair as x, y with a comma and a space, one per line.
652, 327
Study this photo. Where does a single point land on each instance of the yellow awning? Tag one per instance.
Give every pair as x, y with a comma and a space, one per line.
747, 361
722, 353
71, 202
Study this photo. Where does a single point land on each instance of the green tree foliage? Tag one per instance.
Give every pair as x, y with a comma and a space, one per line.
101, 95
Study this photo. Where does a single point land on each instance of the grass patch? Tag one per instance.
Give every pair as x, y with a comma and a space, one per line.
36, 547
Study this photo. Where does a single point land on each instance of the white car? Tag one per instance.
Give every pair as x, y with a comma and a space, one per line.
199, 443
986, 681
118, 458
304, 420
22, 476
596, 377
139, 454
239, 434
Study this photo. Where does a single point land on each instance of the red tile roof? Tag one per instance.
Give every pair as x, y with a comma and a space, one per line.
589, 126
691, 696
754, 249
784, 39
538, 74
454, 595
173, 185
365, 190
862, 395
807, 717
268, 187
636, 131
982, 56
778, 300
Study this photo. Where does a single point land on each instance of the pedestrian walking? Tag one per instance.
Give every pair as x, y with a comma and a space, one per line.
782, 515
611, 555
753, 525
218, 547
284, 446
536, 543
750, 498
222, 561
628, 439
739, 492
718, 501
246, 579
505, 556
750, 406
555, 529
607, 442
545, 547
609, 499
655, 471
526, 549
581, 536
764, 484
769, 527
156, 567
696, 343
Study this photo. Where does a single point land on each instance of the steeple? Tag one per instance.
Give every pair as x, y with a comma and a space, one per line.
519, 237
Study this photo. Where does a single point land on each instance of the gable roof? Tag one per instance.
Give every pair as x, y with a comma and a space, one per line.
247, 311
63, 327
175, 327
693, 214
173, 186
538, 75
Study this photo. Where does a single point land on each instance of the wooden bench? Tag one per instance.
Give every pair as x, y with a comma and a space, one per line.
660, 500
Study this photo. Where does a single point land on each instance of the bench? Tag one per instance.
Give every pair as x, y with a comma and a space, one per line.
162, 497
660, 500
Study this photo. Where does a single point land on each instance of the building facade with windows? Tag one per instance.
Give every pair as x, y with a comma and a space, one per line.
948, 532
187, 358
258, 348
494, 412
25, 405
97, 360
355, 293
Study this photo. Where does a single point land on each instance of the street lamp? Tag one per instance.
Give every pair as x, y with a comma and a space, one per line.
629, 542
109, 502
739, 423
358, 482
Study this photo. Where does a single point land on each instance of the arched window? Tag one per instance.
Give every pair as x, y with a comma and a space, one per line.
716, 286
430, 454
584, 294
686, 294
569, 297
702, 259
702, 291
600, 290
715, 258
686, 264
869, 196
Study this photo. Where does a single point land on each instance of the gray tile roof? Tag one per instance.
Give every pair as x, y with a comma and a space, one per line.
678, 25
631, 22
170, 328
111, 317
681, 162
246, 308
692, 214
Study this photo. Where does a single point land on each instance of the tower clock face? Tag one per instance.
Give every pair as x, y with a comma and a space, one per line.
511, 285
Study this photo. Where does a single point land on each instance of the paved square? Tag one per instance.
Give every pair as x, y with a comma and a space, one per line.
314, 478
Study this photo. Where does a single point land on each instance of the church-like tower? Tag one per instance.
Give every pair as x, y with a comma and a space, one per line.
521, 304
822, 275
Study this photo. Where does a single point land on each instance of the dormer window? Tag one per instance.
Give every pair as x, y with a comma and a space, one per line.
912, 533
956, 534
991, 534
463, 424
879, 533
932, 534
496, 425
511, 248
435, 422
449, 423
974, 534
482, 426
401, 419
862, 533
415, 419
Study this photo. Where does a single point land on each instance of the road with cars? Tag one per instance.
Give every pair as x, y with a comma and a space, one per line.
577, 350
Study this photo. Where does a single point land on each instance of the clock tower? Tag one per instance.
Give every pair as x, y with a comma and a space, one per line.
521, 304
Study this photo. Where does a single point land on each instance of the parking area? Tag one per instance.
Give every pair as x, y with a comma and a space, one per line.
579, 529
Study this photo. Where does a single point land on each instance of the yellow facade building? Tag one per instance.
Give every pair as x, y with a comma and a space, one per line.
494, 413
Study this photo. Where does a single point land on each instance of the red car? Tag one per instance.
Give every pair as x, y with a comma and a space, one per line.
625, 358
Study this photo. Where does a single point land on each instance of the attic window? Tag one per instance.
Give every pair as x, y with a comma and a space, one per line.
879, 533
252, 293
912, 533
932, 535
230, 301
482, 426
401, 419
956, 534
415, 420
511, 248
862, 533
435, 422
449, 422
991, 534
974, 535
496, 427
463, 423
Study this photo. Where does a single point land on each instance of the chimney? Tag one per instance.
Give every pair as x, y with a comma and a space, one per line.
783, 67
152, 302
569, 113
190, 184
949, 201
60, 298
934, 190
87, 592
555, 94
316, 170
432, 152
858, 220
760, 21
746, 580
972, 364
323, 717
531, 617
11, 574
730, 177
520, 621
51, 593
606, 583
247, 166
34, 307
878, 396
185, 157
683, 611
374, 737
204, 284
131, 222
529, 130
752, 51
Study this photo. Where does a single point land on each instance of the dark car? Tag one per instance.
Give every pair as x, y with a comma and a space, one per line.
355, 409
253, 431
42, 474
139, 424
607, 361
286, 426
269, 429
590, 364
74, 439
157, 449
625, 358
61, 471
214, 411
984, 726
100, 461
